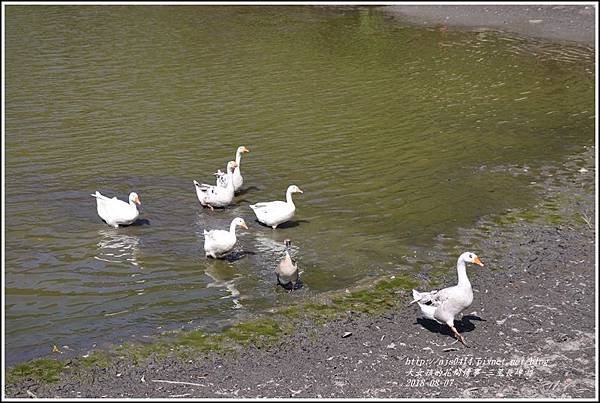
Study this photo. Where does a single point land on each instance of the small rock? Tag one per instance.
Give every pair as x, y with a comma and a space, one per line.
347, 334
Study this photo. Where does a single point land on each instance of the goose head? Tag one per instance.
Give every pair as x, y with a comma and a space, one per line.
287, 243
470, 257
231, 165
239, 222
294, 189
242, 149
133, 197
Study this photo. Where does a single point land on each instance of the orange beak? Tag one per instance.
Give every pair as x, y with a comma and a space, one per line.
300, 190
234, 164
243, 225
137, 200
245, 150
477, 261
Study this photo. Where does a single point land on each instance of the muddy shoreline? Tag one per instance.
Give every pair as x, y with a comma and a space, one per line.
531, 327
557, 22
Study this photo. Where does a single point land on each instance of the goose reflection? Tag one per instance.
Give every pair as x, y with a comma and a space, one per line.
216, 270
115, 247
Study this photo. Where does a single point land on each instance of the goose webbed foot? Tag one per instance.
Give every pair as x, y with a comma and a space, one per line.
459, 336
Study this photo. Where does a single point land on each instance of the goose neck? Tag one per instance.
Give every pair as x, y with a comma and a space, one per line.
288, 197
461, 269
229, 177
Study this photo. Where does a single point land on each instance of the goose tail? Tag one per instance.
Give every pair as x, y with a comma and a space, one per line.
99, 196
416, 297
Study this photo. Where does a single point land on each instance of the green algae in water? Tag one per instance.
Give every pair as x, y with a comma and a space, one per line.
261, 332
97, 358
46, 370
202, 341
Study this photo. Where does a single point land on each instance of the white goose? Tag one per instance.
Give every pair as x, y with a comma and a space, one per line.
443, 305
287, 269
218, 242
238, 180
217, 196
276, 212
116, 212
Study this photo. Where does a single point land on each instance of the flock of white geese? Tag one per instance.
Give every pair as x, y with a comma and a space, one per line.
441, 306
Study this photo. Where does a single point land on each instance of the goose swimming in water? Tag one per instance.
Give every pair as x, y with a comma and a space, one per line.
217, 196
276, 212
287, 269
116, 212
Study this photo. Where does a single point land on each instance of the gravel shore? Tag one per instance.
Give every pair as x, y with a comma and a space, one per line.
574, 23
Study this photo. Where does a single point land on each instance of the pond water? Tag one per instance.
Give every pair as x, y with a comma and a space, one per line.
397, 134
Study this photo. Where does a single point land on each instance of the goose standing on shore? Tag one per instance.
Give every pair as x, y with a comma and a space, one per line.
217, 196
238, 180
276, 212
443, 305
218, 242
116, 212
287, 269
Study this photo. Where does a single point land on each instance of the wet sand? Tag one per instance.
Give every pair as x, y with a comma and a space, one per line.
554, 22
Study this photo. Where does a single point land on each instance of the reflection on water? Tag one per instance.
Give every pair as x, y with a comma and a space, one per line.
221, 279
115, 247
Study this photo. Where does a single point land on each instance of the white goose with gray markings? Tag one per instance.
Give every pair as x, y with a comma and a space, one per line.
238, 180
443, 305
217, 196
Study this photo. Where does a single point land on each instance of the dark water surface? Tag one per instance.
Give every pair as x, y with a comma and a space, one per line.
397, 134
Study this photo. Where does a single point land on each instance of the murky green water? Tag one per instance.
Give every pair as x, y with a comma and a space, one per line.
397, 134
